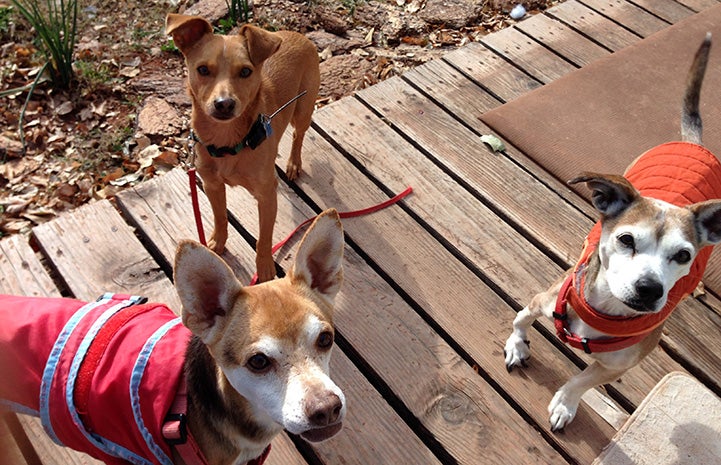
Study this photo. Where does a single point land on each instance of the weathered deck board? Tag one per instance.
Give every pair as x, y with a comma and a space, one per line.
525, 52
498, 76
21, 271
10, 446
597, 27
668, 10
166, 203
94, 250
698, 5
628, 15
496, 178
562, 39
692, 333
465, 102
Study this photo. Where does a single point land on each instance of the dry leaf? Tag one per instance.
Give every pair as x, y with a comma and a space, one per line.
64, 108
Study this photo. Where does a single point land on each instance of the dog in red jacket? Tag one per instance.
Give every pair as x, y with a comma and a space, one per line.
131, 382
648, 252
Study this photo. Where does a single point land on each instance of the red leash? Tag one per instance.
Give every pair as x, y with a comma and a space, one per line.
276, 247
351, 214
196, 207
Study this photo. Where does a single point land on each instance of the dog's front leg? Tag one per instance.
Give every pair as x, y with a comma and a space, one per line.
215, 190
267, 210
564, 404
517, 348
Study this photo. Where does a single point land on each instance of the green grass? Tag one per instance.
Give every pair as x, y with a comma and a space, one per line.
93, 76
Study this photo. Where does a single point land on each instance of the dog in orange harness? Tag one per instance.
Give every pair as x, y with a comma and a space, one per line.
649, 251
131, 382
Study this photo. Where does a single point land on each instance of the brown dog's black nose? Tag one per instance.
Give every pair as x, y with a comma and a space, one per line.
649, 291
323, 411
224, 106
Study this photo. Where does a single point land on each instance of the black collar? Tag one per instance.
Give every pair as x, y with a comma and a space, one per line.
220, 152
259, 131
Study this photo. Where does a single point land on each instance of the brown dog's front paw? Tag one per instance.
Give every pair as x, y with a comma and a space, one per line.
292, 170
217, 246
266, 269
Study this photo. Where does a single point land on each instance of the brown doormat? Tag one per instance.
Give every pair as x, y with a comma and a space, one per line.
603, 116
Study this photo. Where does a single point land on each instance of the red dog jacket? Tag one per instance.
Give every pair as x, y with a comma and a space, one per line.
680, 173
91, 371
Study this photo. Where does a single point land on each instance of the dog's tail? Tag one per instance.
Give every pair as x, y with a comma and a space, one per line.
691, 125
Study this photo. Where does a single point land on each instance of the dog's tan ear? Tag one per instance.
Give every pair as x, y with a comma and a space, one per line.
186, 30
319, 259
708, 221
206, 286
261, 43
611, 194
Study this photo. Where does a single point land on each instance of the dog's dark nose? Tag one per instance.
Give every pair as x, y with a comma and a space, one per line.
224, 106
649, 291
323, 411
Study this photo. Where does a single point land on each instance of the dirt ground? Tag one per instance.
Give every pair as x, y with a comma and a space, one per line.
125, 119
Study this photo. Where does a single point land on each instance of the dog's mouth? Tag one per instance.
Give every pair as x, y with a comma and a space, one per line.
321, 434
221, 116
640, 306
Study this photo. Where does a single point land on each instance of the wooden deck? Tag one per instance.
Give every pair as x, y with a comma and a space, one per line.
431, 284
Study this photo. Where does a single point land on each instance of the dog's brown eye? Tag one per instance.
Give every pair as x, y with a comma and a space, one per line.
682, 257
627, 241
259, 363
245, 72
203, 70
325, 340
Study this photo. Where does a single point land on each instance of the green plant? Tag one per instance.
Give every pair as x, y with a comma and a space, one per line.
55, 22
4, 20
238, 13
238, 10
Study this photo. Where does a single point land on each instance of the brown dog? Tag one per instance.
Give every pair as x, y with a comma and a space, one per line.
126, 382
232, 80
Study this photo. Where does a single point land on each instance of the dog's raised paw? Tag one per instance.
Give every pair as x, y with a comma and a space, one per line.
516, 352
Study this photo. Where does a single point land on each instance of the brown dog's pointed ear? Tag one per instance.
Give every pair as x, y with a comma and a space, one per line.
186, 30
708, 221
261, 43
319, 259
206, 286
611, 194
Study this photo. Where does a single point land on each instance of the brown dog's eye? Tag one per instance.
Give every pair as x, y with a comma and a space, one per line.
245, 72
627, 241
325, 340
203, 70
259, 363
682, 257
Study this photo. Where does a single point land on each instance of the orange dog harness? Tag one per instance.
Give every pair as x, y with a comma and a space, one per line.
679, 173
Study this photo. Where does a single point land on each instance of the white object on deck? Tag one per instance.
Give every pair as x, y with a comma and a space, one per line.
678, 422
